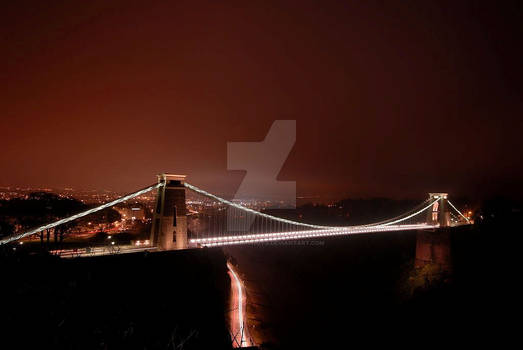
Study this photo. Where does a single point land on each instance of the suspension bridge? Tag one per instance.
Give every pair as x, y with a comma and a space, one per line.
188, 217
216, 221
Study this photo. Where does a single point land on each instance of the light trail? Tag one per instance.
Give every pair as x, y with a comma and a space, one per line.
240, 310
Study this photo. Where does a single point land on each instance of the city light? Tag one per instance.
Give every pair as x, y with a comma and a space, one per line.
79, 215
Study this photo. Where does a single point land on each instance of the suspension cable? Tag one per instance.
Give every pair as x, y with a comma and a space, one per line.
79, 215
456, 209
411, 215
381, 223
241, 207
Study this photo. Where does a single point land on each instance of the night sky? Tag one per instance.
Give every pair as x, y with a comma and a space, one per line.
391, 98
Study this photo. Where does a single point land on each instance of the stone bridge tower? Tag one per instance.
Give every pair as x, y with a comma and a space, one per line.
439, 212
169, 227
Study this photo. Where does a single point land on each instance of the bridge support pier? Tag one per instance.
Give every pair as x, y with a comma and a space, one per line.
169, 227
433, 248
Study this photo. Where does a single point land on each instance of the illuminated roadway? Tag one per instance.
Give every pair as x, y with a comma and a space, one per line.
279, 236
238, 308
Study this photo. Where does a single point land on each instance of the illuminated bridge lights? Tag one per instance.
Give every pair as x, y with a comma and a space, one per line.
278, 236
296, 223
310, 231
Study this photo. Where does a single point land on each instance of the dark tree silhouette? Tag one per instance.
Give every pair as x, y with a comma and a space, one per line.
6, 229
40, 208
